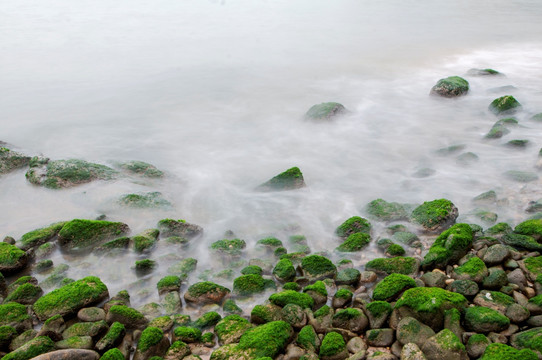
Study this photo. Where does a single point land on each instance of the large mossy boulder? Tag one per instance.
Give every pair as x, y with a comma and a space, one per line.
387, 211
248, 285
435, 215
40, 236
481, 319
290, 179
451, 87
152, 342
316, 267
71, 298
325, 111
355, 242
395, 265
82, 235
504, 105
473, 269
284, 271
450, 246
444, 345
11, 160
428, 305
66, 173
205, 292
12, 259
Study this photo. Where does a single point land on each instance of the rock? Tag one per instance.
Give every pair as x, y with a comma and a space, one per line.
528, 339
187, 334
266, 340
171, 303
377, 312
450, 246
232, 247
342, 298
308, 339
434, 279
207, 320
230, 329
501, 351
147, 200
284, 271
205, 292
152, 342
92, 329
71, 298
333, 347
262, 314
354, 242
496, 279
444, 345
127, 316
177, 350
449, 87
66, 173
532, 267
428, 305
396, 265
12, 259
316, 267
40, 236
355, 345
11, 160
33, 348
112, 338
83, 235
504, 105
325, 111
294, 315
520, 176
145, 241
483, 72
435, 215
26, 294
411, 351
76, 342
292, 297
171, 227
183, 268
496, 255
290, 179
69, 354
380, 337
484, 320
391, 286
248, 285
493, 299
355, 224
476, 345
139, 168
351, 319
387, 211
474, 269
91, 314
22, 339
410, 330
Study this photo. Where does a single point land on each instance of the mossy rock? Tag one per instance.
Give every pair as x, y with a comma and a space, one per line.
391, 286
532, 266
207, 320
26, 294
449, 87
473, 269
187, 334
429, 304
386, 211
11, 160
498, 351
252, 270
229, 246
290, 179
82, 235
435, 215
112, 338
230, 329
378, 312
497, 131
12, 259
146, 240
129, 317
531, 228
15, 315
177, 350
145, 266
316, 267
151, 342
147, 200
444, 345
140, 168
520, 176
308, 339
504, 105
325, 111
93, 329
66, 173
483, 72
355, 242
348, 276
37, 346
248, 285
71, 298
484, 320
268, 339
262, 314
270, 243
205, 292
40, 236
353, 225
333, 347
292, 297
395, 250
183, 268
528, 339
396, 265
232, 352
284, 271
450, 246
351, 319
231, 308
171, 227
113, 354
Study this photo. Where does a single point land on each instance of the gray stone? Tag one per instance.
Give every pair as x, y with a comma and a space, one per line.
69, 354
434, 279
496, 255
410, 330
411, 351
380, 337
517, 313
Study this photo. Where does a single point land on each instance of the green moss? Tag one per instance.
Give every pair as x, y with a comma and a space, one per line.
113, 354
268, 339
141, 168
521, 242
151, 336
504, 104
391, 286
183, 268
145, 265
386, 211
306, 338
318, 287
231, 327
323, 311
332, 344
126, 312
284, 270
449, 341
10, 255
291, 297
348, 314
451, 86
316, 265
343, 294
70, 298
153, 199
187, 334
291, 286
378, 308
348, 276
476, 317
534, 265
287, 180
395, 250
115, 332
449, 246
405, 237
355, 242
252, 270
247, 285
169, 282
270, 242
530, 227
207, 320
12, 314
354, 224
325, 111
498, 351
79, 233
6, 334
473, 267
205, 287
396, 265
230, 307
229, 246
431, 300
40, 236
433, 213
37, 346
25, 294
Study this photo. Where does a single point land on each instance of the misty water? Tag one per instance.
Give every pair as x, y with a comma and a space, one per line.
214, 92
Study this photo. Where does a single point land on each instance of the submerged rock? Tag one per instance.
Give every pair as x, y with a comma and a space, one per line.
290, 179
144, 200
81, 234
66, 173
11, 160
483, 72
520, 176
325, 111
140, 168
504, 105
451, 87
387, 211
171, 227
206, 292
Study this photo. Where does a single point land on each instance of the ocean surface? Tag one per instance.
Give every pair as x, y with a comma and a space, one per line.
214, 94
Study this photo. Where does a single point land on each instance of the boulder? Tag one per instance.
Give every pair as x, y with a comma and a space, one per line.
449, 87
504, 105
205, 292
290, 179
325, 111
435, 215
83, 235
12, 259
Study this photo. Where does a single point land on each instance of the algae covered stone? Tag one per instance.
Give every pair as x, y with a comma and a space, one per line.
435, 215
15, 315
12, 259
140, 168
333, 347
267, 339
11, 160
391, 286
152, 199
284, 271
292, 297
504, 105
205, 292
397, 265
451, 87
498, 351
481, 319
40, 236
182, 228
229, 246
71, 298
354, 242
81, 234
317, 267
231, 328
386, 211
353, 225
66, 173
449, 246
325, 111
290, 179
37, 346
247, 285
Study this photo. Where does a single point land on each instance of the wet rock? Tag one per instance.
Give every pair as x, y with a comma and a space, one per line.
396, 265
325, 111
504, 105
69, 354
411, 351
351, 319
333, 347
12, 259
151, 343
449, 87
205, 292
153, 199
230, 329
39, 237
139, 168
83, 235
354, 242
483, 72
127, 316
33, 348
386, 211
435, 215
450, 246
410, 330
484, 320
380, 337
434, 279
11, 160
290, 179
520, 176
66, 173
444, 345
316, 267
112, 338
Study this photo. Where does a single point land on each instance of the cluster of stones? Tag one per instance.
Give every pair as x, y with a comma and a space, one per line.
474, 294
